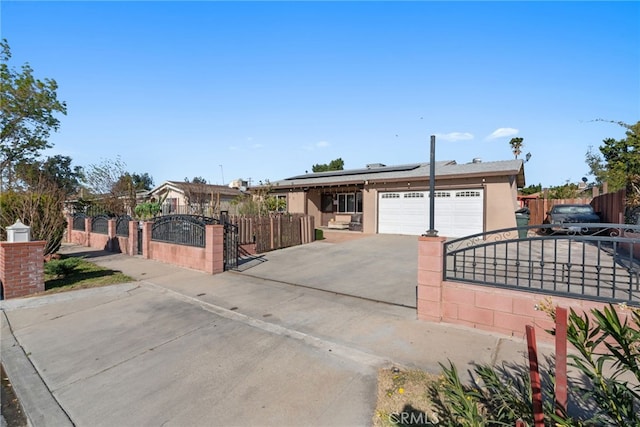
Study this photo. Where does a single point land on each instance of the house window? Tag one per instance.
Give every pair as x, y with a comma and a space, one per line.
281, 205
390, 196
413, 195
327, 203
350, 202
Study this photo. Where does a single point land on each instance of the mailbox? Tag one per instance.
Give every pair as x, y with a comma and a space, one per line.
18, 232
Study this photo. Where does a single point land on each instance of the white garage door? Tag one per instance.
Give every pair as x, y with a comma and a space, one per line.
457, 212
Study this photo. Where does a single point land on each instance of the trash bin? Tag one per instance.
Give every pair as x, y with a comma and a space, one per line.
522, 220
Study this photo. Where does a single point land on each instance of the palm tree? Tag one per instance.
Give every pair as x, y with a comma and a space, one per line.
516, 145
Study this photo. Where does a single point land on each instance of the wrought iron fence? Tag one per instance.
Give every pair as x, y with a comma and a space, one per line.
230, 246
78, 221
100, 224
181, 229
588, 261
122, 226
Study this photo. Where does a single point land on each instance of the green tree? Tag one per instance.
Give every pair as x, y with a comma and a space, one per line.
40, 207
110, 186
619, 162
567, 191
516, 146
532, 189
333, 165
29, 108
196, 180
56, 169
142, 181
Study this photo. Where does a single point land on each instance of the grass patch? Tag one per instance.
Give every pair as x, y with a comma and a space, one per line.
70, 273
403, 398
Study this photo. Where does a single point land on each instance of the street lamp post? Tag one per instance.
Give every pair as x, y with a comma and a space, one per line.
432, 232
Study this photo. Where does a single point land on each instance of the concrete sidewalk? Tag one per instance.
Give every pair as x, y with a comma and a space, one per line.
179, 347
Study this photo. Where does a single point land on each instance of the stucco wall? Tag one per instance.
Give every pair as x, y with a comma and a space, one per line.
296, 202
370, 210
499, 198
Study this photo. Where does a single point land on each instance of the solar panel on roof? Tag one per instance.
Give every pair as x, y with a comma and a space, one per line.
400, 168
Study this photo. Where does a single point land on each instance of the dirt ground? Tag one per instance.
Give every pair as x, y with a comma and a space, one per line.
403, 398
11, 409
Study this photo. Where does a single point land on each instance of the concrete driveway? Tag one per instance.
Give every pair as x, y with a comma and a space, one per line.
379, 267
182, 348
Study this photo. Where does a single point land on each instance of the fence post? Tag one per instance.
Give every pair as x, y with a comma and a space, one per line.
111, 233
69, 228
561, 361
21, 268
146, 239
133, 238
87, 231
272, 234
214, 248
534, 373
430, 272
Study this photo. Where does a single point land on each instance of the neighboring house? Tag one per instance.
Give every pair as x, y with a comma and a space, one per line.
193, 198
469, 198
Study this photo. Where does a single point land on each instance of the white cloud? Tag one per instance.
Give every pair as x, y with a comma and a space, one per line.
257, 146
454, 136
502, 132
322, 144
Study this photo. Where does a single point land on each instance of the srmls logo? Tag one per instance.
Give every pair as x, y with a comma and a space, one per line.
413, 418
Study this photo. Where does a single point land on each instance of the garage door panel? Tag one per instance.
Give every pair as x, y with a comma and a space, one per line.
457, 212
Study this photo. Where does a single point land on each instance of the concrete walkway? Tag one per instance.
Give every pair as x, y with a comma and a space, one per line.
179, 347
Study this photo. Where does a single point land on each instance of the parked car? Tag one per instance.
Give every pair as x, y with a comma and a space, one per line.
572, 214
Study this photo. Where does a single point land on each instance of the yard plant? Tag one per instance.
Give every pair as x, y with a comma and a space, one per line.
69, 273
606, 392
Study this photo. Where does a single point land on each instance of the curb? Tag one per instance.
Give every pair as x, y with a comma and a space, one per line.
37, 401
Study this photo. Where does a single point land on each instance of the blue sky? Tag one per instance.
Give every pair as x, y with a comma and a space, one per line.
264, 90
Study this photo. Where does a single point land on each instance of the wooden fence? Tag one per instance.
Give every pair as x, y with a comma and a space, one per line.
610, 206
275, 231
539, 207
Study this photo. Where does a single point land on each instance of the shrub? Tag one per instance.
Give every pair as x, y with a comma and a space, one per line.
61, 267
501, 395
39, 207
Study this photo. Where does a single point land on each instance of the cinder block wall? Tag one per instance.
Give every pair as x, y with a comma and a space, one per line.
21, 268
499, 310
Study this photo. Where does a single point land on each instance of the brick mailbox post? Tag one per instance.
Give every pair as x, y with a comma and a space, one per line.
21, 263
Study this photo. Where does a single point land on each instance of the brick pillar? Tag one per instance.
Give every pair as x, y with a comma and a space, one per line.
133, 238
214, 248
87, 231
21, 268
430, 273
69, 228
111, 233
146, 238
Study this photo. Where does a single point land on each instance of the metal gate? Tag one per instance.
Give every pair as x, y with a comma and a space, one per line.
230, 248
140, 238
